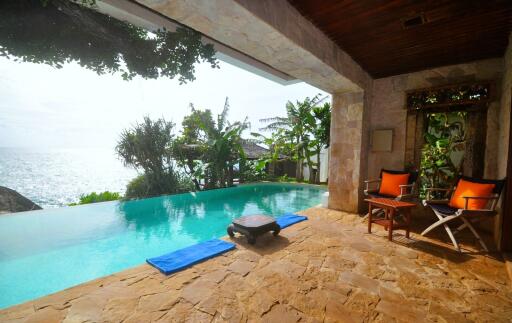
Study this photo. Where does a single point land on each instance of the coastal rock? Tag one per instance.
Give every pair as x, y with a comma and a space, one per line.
12, 201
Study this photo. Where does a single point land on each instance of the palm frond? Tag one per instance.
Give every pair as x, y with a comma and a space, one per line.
274, 119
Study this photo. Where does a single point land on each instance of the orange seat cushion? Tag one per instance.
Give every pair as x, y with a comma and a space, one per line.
390, 183
466, 188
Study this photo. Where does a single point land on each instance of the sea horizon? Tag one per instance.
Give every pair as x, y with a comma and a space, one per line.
56, 176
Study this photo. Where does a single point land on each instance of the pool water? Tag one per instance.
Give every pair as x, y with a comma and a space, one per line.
45, 251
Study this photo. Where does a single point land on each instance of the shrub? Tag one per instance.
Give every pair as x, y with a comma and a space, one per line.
146, 185
253, 171
97, 197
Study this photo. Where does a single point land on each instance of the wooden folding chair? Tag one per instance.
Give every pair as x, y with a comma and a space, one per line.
446, 213
407, 191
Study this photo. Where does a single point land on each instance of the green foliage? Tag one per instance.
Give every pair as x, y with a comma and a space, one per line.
283, 178
204, 156
442, 139
138, 188
97, 197
209, 149
144, 186
300, 135
56, 32
148, 147
321, 129
253, 171
286, 179
278, 144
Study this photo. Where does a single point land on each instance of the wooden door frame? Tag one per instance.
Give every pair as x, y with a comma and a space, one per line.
506, 226
417, 124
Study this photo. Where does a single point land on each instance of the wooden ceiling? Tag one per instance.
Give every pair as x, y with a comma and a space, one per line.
372, 32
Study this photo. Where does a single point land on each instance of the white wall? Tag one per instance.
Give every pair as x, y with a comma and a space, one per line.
324, 166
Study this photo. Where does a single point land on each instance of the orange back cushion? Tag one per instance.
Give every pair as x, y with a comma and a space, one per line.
390, 184
466, 188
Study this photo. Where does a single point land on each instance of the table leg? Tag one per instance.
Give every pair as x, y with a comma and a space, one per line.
391, 219
231, 230
370, 211
408, 222
386, 217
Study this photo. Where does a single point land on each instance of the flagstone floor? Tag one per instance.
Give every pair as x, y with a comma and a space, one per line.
327, 269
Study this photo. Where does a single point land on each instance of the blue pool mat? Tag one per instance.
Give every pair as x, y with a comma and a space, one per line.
186, 257
288, 219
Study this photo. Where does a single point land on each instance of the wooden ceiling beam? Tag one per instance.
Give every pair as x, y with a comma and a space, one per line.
371, 32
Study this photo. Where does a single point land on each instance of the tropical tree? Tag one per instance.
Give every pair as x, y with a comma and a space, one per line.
55, 32
278, 147
190, 147
209, 149
147, 147
300, 126
320, 131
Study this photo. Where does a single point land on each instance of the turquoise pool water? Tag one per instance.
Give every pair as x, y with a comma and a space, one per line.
45, 251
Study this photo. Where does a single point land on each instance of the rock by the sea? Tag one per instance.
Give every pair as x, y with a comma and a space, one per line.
12, 201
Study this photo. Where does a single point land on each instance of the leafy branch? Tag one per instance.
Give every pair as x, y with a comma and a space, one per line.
56, 32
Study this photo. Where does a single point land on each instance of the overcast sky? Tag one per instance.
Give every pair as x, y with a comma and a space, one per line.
74, 107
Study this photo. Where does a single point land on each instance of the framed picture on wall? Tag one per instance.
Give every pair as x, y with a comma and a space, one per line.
382, 140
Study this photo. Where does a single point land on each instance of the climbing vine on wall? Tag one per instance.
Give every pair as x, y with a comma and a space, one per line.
442, 153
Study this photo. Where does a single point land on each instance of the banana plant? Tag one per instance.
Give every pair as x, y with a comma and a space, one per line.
210, 148
297, 126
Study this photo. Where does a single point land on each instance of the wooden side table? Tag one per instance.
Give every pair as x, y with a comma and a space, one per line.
252, 226
391, 208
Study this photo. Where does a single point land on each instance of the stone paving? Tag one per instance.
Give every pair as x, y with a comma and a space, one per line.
327, 269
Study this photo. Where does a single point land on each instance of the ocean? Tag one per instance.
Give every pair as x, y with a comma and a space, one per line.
55, 177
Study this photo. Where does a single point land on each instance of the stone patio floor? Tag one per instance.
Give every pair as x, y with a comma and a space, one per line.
327, 269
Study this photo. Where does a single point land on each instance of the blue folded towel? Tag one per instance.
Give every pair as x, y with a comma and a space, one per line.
288, 219
186, 257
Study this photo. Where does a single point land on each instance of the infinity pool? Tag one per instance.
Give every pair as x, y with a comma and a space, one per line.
45, 251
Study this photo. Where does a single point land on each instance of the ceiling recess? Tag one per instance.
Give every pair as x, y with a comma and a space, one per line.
413, 21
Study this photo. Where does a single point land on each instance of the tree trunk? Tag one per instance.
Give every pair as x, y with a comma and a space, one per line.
270, 168
299, 166
190, 164
241, 167
298, 170
317, 179
230, 175
312, 176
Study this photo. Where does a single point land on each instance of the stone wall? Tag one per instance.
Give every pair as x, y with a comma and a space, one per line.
504, 114
388, 109
504, 125
348, 151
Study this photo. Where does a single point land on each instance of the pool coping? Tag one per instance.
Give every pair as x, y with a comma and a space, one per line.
320, 186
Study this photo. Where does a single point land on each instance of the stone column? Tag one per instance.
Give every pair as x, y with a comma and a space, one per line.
349, 144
